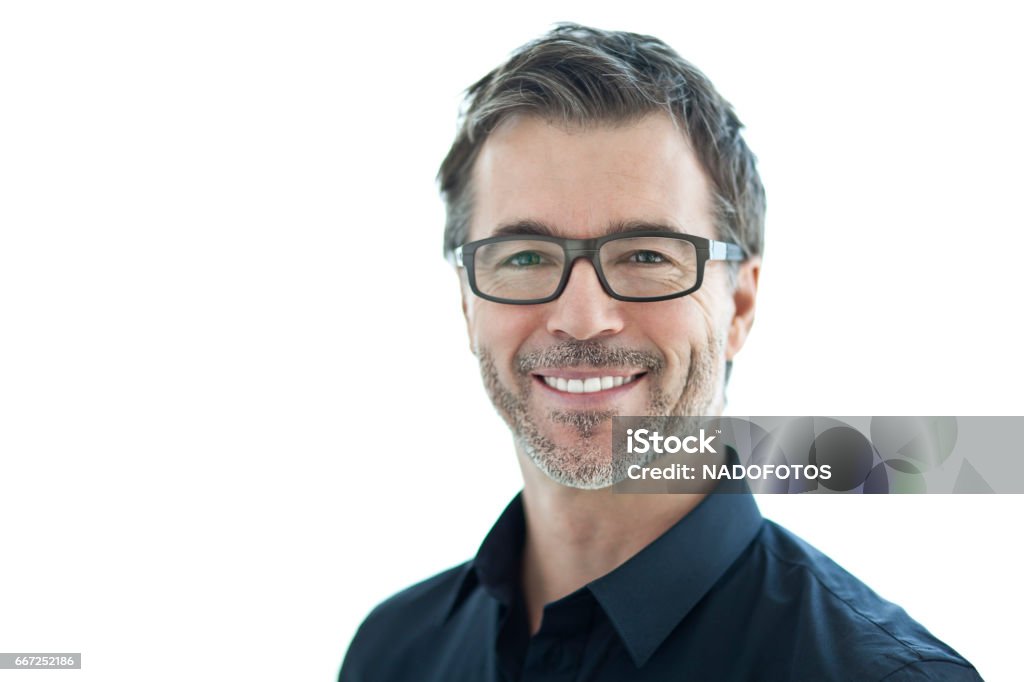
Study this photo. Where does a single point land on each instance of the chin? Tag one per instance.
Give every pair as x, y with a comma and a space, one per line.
579, 468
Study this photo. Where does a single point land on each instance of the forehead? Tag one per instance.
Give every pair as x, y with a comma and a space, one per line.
582, 181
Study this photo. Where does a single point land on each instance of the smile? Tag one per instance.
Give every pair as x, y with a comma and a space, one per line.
593, 384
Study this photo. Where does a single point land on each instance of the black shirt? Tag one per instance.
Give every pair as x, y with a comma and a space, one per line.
722, 595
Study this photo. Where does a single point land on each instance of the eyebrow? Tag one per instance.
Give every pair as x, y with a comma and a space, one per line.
535, 227
524, 227
641, 226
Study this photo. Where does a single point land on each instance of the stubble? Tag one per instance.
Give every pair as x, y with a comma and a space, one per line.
587, 463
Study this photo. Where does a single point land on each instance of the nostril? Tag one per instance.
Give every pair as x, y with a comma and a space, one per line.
584, 312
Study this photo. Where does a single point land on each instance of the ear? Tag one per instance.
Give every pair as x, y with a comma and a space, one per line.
467, 303
744, 302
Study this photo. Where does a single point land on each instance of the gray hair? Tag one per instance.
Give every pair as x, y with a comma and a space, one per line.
577, 75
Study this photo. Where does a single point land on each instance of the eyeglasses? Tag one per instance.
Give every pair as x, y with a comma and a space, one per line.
631, 266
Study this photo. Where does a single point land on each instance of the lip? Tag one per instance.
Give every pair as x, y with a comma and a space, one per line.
567, 373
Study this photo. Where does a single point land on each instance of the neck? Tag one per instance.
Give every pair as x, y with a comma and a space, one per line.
576, 536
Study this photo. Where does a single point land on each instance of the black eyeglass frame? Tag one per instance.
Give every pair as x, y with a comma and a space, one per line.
589, 249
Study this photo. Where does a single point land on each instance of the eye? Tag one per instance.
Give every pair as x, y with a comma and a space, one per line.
523, 259
647, 257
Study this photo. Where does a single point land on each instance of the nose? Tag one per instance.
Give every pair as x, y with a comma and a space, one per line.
584, 311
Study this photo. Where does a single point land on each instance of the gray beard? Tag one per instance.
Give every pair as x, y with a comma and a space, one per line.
588, 464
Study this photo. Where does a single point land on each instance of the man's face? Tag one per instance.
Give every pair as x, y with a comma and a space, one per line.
668, 356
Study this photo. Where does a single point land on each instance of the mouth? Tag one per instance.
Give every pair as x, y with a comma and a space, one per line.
575, 381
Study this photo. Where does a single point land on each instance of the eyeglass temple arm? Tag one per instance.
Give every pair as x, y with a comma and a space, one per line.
457, 257
725, 251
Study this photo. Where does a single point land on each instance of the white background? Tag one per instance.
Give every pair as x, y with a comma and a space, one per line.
237, 408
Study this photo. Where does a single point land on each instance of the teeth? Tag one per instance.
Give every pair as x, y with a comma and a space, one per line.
591, 385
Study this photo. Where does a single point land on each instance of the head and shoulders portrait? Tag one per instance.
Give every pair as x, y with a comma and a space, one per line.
605, 219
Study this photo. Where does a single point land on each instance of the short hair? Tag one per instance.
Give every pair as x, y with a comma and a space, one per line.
577, 75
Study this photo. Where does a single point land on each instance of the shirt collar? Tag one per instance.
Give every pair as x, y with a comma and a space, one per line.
497, 562
649, 595
496, 565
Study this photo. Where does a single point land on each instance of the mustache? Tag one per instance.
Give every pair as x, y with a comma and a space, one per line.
587, 354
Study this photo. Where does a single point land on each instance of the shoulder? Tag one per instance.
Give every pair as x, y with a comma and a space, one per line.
840, 622
942, 671
426, 601
401, 622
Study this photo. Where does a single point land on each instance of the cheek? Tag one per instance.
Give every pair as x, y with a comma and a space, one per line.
678, 329
500, 328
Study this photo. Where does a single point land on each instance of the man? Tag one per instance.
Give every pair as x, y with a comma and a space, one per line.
606, 219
